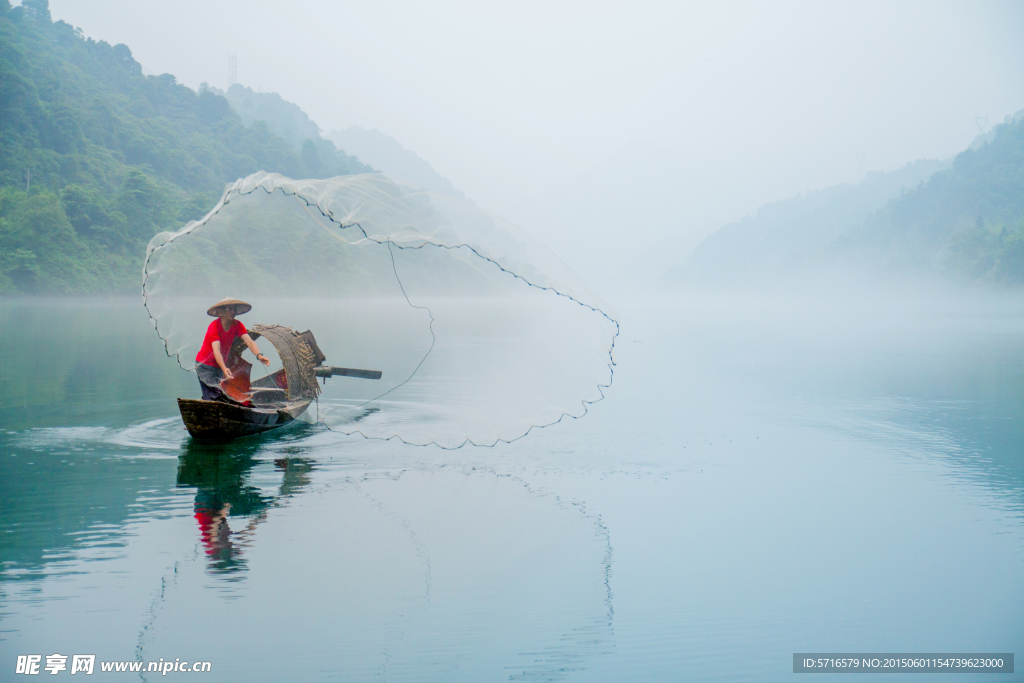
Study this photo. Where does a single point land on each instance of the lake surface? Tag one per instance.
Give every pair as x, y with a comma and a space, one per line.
761, 479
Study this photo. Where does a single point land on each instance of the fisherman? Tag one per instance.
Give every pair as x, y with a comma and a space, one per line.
211, 366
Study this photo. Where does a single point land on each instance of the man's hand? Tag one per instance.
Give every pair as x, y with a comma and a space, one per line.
227, 374
263, 359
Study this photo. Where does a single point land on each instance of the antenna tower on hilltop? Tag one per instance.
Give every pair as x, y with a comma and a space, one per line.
981, 122
861, 156
232, 68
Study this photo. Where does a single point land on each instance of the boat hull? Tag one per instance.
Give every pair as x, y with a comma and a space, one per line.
220, 421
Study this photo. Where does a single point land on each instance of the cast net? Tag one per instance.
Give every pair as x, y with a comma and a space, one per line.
478, 331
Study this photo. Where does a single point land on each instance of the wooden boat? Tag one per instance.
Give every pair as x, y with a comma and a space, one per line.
269, 402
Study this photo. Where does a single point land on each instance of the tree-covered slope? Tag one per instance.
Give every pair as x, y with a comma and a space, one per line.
95, 157
284, 118
960, 219
287, 120
967, 221
787, 238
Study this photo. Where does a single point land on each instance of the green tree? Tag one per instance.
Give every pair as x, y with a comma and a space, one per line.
114, 156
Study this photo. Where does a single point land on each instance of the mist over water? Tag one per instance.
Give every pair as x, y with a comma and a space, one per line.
766, 478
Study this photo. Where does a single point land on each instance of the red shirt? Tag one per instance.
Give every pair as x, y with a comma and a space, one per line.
216, 332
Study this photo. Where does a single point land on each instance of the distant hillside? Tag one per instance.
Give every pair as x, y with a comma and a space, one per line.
967, 221
288, 121
96, 157
387, 154
281, 116
961, 219
788, 237
373, 148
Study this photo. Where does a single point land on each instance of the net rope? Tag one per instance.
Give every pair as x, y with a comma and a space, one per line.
472, 269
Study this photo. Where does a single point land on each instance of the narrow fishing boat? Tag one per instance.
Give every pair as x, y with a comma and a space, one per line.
251, 407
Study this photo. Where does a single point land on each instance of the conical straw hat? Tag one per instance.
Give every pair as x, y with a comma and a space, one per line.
239, 306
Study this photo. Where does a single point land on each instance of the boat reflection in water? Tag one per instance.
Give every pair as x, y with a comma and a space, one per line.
221, 475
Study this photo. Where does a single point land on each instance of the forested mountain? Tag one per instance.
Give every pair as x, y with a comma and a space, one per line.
967, 221
372, 147
287, 120
387, 154
95, 157
282, 117
961, 219
789, 237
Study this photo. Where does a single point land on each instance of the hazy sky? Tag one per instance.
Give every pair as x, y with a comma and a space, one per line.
511, 101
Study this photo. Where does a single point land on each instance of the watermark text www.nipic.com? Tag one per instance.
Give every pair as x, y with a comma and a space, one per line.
86, 664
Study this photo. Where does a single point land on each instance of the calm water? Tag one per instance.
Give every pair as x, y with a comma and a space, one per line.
761, 480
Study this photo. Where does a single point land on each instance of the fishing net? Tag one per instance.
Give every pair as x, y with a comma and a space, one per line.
478, 331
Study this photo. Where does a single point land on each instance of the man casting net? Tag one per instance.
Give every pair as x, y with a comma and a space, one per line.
479, 332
